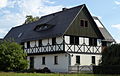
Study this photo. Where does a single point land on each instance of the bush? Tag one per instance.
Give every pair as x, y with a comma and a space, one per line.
111, 55
31, 70
106, 69
12, 57
46, 70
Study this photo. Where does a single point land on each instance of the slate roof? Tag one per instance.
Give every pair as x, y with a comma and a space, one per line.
60, 20
1, 39
105, 33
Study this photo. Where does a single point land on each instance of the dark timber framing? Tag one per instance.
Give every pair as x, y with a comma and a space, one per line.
64, 48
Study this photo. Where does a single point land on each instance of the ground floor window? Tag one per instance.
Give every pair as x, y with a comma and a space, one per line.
55, 59
43, 60
31, 62
93, 59
77, 59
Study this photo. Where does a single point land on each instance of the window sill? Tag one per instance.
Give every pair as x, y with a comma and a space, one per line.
56, 64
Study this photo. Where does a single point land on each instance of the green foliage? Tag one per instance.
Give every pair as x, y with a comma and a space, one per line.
111, 55
12, 57
52, 74
30, 19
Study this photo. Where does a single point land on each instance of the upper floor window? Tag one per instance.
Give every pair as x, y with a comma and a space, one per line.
28, 44
53, 41
71, 39
74, 40
92, 41
104, 43
40, 43
84, 23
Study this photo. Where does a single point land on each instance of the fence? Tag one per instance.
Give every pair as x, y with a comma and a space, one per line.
80, 69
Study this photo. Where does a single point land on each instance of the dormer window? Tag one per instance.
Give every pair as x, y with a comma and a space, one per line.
84, 23
42, 27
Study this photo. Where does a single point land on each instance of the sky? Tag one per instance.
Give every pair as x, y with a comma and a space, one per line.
13, 12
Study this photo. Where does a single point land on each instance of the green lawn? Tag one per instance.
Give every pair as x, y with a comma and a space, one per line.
51, 74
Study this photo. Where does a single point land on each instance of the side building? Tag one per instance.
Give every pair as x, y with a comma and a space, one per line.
59, 40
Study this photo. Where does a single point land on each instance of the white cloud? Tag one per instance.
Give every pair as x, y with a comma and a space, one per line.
117, 40
3, 31
96, 15
22, 8
3, 3
116, 26
37, 7
50, 2
117, 2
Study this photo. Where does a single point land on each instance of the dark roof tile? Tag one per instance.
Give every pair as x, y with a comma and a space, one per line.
61, 20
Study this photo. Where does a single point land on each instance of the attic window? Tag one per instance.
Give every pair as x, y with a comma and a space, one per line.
84, 23
42, 27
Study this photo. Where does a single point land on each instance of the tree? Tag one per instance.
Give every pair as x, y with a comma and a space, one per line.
12, 57
111, 55
30, 19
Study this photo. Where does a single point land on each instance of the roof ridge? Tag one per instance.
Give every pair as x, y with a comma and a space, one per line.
62, 10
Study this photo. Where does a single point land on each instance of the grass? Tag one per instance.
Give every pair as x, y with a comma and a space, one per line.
51, 74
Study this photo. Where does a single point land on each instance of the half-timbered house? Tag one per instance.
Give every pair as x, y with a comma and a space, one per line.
62, 39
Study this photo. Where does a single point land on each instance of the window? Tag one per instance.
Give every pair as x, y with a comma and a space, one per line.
84, 23
104, 43
81, 22
71, 40
40, 43
53, 41
28, 44
43, 60
43, 27
95, 42
77, 59
93, 59
32, 62
92, 42
74, 40
55, 59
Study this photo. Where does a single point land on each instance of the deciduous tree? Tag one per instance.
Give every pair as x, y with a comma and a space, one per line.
30, 19
12, 57
111, 55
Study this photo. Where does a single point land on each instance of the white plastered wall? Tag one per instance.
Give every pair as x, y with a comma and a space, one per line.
85, 59
62, 65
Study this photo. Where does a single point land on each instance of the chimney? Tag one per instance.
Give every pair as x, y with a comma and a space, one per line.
63, 9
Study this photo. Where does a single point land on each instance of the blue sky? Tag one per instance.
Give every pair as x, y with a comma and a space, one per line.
13, 12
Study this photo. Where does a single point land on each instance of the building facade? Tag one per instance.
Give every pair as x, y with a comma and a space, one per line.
66, 38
